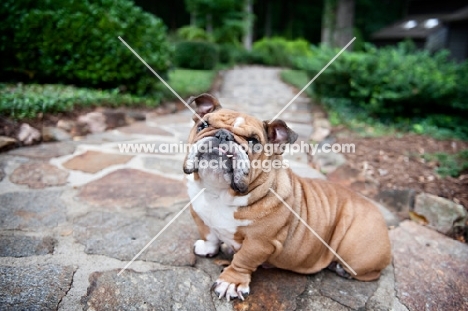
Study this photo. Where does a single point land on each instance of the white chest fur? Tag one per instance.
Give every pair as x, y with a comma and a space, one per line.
216, 207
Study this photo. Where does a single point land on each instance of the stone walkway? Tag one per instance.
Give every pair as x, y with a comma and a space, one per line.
72, 214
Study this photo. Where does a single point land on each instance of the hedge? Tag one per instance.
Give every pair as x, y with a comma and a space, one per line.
196, 55
75, 42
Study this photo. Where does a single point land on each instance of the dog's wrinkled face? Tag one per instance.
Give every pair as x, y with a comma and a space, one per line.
226, 143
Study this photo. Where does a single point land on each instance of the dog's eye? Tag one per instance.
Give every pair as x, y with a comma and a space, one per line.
252, 141
202, 126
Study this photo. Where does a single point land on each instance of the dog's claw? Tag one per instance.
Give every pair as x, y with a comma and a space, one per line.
214, 285
229, 290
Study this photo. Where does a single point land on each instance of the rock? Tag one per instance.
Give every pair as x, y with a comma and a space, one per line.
95, 161
135, 115
50, 133
28, 135
321, 130
66, 125
24, 246
96, 121
443, 215
129, 188
114, 119
31, 211
273, 289
45, 151
6, 141
97, 232
165, 165
34, 287
80, 129
328, 162
172, 289
430, 269
351, 293
143, 128
399, 201
37, 175
390, 219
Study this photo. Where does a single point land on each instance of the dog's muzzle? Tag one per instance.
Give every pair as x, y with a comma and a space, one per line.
221, 157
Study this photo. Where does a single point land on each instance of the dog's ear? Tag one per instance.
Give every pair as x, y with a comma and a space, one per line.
204, 103
279, 134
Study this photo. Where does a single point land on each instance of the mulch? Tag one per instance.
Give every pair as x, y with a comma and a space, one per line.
397, 163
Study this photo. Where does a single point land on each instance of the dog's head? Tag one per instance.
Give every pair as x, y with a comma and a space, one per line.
227, 143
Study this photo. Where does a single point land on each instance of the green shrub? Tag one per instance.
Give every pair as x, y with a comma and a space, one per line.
26, 101
278, 51
449, 164
196, 55
193, 33
393, 81
76, 42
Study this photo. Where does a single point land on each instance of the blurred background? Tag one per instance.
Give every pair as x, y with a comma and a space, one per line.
406, 72
407, 66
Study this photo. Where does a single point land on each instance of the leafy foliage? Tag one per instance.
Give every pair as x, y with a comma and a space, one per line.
196, 55
76, 42
193, 33
411, 89
449, 164
26, 101
392, 81
278, 51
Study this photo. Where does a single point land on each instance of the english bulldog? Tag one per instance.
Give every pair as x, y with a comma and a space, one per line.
240, 205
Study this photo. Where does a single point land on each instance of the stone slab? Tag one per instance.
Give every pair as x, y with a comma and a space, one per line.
273, 289
45, 151
143, 128
24, 246
38, 175
94, 161
122, 237
164, 165
31, 210
34, 287
173, 289
430, 269
129, 188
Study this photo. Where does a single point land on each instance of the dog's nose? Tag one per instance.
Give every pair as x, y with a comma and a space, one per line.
224, 135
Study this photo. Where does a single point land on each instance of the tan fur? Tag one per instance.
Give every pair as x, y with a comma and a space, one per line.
348, 222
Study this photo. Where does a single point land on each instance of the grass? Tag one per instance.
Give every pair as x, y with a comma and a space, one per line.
341, 111
298, 78
449, 164
22, 101
190, 82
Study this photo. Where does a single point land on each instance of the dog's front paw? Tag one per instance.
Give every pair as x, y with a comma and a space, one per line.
230, 290
232, 284
205, 248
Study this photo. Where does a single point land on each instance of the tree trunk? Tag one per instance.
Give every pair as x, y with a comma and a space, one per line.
328, 23
209, 24
193, 18
248, 23
268, 19
344, 23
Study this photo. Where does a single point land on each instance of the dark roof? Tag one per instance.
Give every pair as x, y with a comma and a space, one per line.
460, 15
397, 31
